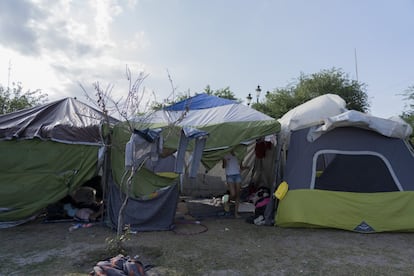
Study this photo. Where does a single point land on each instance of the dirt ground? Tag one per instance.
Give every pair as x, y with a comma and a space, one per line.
215, 246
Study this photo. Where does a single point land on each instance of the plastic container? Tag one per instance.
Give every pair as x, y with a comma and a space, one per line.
281, 191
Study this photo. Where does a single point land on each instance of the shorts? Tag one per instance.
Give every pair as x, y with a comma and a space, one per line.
233, 178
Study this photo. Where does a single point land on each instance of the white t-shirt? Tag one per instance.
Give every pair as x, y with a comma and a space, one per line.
232, 164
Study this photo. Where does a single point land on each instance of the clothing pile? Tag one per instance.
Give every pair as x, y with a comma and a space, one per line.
120, 265
260, 199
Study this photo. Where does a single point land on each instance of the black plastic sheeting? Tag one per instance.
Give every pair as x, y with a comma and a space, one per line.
67, 120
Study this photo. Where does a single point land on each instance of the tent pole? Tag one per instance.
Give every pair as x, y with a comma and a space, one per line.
105, 177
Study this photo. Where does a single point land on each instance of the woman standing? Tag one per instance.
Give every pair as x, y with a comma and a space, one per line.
233, 180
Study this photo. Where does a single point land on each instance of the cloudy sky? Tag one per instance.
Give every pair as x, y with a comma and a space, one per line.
56, 45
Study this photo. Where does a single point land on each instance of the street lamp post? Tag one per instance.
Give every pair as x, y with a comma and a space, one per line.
258, 91
249, 99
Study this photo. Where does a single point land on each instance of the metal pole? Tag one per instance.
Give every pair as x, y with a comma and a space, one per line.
356, 63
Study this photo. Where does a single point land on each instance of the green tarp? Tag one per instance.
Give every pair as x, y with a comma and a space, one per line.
144, 181
36, 173
360, 212
46, 153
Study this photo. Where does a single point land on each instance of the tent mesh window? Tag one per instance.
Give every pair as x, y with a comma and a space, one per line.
353, 173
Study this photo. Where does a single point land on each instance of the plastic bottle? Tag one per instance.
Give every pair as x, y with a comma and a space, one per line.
75, 226
225, 198
80, 225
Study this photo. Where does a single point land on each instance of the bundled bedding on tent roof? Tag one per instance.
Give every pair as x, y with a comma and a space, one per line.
352, 172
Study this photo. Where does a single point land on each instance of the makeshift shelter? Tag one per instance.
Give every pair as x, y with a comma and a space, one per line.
47, 152
349, 171
220, 124
234, 125
229, 123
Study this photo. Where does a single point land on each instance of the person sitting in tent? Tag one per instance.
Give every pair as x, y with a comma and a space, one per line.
82, 205
233, 180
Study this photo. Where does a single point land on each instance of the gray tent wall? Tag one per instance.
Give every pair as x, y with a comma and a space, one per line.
395, 154
156, 214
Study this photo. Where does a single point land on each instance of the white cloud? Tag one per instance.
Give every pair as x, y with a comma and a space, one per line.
63, 43
19, 36
139, 41
30, 71
55, 44
106, 10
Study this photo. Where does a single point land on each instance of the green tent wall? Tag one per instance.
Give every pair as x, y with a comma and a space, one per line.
47, 152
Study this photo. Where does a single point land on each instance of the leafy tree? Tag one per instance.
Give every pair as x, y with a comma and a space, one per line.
307, 87
158, 106
13, 99
208, 90
225, 93
408, 115
409, 99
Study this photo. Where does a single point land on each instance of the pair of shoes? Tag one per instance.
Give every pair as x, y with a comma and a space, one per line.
260, 220
224, 214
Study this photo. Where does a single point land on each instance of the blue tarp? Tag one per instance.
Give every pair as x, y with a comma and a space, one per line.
200, 101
